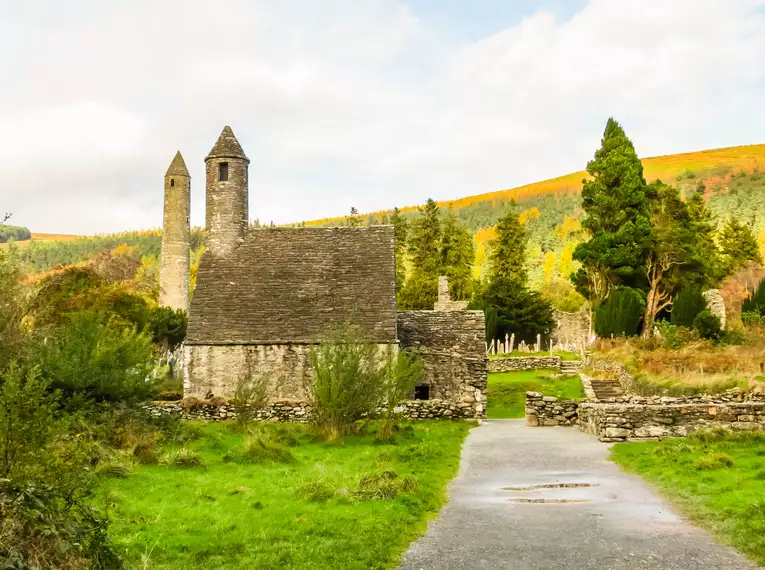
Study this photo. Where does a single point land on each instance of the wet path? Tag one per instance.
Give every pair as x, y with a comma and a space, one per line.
548, 498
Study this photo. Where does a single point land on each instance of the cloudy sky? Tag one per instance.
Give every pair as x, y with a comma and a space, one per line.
365, 103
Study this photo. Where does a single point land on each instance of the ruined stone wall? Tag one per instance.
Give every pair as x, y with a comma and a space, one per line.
654, 418
615, 369
716, 305
290, 411
174, 264
215, 369
571, 328
512, 363
453, 350
636, 418
549, 411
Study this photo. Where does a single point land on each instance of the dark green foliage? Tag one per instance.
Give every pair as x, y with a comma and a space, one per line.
510, 308
615, 202
419, 292
508, 251
688, 303
16, 233
755, 303
12, 307
403, 370
738, 246
457, 257
707, 324
621, 313
94, 358
425, 240
168, 326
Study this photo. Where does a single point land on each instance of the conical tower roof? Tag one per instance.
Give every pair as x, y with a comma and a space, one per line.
227, 146
178, 166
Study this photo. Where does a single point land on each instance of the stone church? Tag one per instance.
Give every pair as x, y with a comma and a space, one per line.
264, 297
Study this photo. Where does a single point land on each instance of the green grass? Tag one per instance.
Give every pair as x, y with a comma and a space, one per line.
564, 355
507, 390
354, 505
716, 479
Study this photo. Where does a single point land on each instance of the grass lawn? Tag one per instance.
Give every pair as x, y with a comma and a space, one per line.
507, 390
354, 505
716, 479
562, 353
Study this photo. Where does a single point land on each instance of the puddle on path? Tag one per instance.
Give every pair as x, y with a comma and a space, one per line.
543, 501
552, 486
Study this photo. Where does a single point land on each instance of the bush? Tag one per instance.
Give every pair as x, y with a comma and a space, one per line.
168, 326
250, 396
621, 313
16, 233
751, 318
347, 382
402, 372
686, 305
755, 303
95, 359
707, 325
674, 337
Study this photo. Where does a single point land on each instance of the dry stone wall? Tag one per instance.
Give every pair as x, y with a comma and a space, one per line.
290, 411
549, 411
617, 370
512, 363
452, 346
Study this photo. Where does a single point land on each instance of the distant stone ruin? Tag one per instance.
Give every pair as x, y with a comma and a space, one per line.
716, 305
445, 302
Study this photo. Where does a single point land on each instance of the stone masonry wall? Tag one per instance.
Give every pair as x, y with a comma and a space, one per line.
215, 369
290, 411
452, 346
550, 411
654, 418
617, 369
571, 328
512, 363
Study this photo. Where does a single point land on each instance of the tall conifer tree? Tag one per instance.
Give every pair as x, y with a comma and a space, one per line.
507, 257
738, 246
457, 257
401, 229
615, 202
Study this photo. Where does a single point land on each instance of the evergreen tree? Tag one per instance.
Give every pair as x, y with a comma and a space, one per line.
615, 201
507, 258
457, 257
738, 246
704, 227
354, 220
424, 246
401, 229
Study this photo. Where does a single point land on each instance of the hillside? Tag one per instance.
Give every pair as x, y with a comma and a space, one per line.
732, 180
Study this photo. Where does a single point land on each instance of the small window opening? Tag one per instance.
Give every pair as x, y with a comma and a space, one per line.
223, 171
172, 182
422, 392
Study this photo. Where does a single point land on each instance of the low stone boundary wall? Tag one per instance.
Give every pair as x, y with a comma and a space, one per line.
544, 411
513, 363
648, 418
216, 411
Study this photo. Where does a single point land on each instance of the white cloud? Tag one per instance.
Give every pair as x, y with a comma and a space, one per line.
360, 103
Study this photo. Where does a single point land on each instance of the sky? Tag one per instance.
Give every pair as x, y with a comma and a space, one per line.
363, 103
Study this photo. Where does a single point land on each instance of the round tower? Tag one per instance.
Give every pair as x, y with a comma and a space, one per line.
226, 198
174, 268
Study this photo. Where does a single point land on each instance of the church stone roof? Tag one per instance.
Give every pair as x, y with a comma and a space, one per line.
178, 166
227, 146
291, 285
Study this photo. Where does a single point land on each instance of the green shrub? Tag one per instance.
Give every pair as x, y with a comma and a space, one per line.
16, 233
95, 359
402, 372
707, 325
686, 305
621, 313
168, 326
250, 397
755, 303
347, 382
259, 450
714, 461
674, 337
751, 318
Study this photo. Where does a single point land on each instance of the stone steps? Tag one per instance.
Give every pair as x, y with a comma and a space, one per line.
570, 366
605, 389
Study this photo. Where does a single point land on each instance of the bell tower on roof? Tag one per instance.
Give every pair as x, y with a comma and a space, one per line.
226, 198
174, 266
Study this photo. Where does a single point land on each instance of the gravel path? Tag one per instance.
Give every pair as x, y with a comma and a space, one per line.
499, 517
